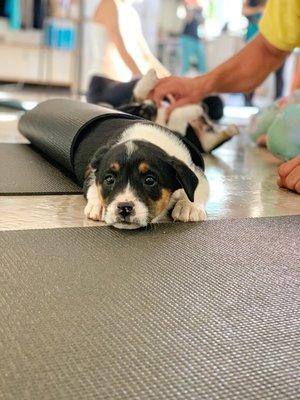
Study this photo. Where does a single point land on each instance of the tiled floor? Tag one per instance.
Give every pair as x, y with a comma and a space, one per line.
242, 180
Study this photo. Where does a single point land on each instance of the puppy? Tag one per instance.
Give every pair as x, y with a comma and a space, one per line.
191, 121
143, 174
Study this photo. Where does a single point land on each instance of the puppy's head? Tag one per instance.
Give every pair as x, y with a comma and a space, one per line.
136, 180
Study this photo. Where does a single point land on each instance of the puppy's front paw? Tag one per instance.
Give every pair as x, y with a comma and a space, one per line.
94, 211
186, 211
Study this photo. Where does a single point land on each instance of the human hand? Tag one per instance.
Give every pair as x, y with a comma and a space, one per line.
289, 175
179, 91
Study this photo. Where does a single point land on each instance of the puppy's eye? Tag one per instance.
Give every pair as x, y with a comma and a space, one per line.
109, 179
150, 181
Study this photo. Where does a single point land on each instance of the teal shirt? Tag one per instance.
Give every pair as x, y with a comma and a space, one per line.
252, 26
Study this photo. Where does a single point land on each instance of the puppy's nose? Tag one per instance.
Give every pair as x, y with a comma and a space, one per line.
125, 209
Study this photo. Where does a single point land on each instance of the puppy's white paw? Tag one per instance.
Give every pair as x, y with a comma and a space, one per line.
185, 211
145, 85
94, 211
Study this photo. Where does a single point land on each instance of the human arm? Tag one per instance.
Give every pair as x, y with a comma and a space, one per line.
241, 73
289, 175
107, 15
146, 54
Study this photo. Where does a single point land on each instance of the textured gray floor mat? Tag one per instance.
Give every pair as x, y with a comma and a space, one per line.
24, 171
182, 311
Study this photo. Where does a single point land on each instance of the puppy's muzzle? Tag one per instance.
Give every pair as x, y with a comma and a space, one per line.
125, 210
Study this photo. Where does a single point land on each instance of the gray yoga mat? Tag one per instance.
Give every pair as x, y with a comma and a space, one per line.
26, 172
180, 311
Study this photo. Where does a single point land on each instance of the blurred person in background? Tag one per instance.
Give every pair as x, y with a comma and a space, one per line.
192, 48
126, 54
253, 11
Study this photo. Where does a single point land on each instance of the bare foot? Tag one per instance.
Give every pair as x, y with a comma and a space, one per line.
261, 141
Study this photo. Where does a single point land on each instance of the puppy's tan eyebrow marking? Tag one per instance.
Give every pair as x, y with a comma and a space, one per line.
143, 167
115, 167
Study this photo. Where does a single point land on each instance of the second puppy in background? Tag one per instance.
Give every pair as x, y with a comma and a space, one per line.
190, 121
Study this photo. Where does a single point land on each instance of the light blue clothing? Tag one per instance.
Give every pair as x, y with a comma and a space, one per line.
264, 120
283, 136
282, 127
192, 50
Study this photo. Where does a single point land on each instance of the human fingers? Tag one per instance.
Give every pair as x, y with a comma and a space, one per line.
169, 86
161, 90
164, 80
280, 182
297, 187
288, 166
292, 179
171, 98
158, 94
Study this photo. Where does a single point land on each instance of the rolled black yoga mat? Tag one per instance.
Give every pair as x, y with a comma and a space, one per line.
64, 135
182, 311
69, 132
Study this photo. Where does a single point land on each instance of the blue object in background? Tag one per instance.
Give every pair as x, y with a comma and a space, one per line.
252, 28
60, 35
13, 10
192, 48
283, 139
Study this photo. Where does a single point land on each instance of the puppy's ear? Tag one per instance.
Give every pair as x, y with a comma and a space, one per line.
185, 176
98, 156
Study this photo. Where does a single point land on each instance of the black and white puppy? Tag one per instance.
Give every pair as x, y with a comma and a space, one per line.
146, 172
191, 120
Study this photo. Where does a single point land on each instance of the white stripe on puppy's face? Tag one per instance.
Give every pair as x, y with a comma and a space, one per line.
130, 148
140, 212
